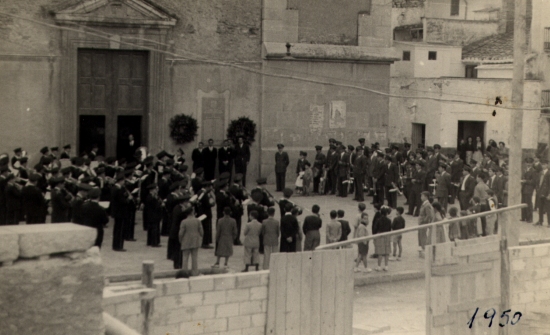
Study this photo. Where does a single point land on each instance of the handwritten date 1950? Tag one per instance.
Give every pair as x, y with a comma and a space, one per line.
491, 313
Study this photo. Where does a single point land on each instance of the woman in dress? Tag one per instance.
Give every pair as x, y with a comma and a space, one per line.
479, 149
439, 215
226, 233
382, 245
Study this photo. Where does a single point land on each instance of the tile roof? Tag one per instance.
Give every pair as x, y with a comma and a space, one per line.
496, 47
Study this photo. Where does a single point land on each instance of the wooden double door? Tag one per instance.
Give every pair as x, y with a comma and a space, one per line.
112, 100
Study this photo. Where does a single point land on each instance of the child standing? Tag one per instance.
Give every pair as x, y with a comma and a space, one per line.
363, 247
361, 208
307, 178
346, 230
397, 224
382, 245
334, 228
252, 231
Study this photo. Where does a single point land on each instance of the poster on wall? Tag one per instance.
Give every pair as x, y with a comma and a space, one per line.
317, 118
337, 114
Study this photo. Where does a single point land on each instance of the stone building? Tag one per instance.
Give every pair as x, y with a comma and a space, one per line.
95, 71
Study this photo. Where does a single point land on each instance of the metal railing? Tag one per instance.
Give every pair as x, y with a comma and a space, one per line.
432, 235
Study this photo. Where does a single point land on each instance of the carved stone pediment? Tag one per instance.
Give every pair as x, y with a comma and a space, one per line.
132, 13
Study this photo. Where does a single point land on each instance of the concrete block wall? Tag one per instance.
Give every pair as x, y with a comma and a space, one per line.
51, 280
233, 304
124, 303
530, 288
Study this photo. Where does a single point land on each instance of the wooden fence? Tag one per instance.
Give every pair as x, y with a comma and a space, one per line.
311, 293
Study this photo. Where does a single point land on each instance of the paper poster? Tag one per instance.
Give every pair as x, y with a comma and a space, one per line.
337, 114
317, 117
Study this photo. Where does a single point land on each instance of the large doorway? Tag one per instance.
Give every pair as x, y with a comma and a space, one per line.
112, 85
418, 135
128, 125
471, 128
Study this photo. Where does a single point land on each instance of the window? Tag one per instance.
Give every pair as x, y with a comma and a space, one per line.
455, 7
406, 55
471, 71
545, 101
432, 55
547, 39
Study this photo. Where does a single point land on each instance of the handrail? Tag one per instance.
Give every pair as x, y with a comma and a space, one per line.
424, 226
114, 326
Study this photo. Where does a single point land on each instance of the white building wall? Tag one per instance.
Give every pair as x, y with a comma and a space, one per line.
442, 9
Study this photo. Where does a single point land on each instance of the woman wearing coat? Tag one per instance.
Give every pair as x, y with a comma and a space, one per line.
226, 233
190, 236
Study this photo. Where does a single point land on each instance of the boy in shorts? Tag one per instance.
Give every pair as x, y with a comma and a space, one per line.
397, 224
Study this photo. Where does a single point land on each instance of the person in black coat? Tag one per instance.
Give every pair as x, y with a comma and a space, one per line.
4, 172
318, 168
148, 178
225, 158
391, 179
154, 206
281, 163
60, 200
76, 203
237, 209
94, 216
207, 200
13, 200
242, 158
223, 198
33, 202
120, 199
289, 230
287, 193
128, 148
209, 157
197, 157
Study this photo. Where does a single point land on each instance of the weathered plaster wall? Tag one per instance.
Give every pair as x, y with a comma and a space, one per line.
297, 113
457, 32
441, 118
402, 16
538, 64
442, 8
448, 62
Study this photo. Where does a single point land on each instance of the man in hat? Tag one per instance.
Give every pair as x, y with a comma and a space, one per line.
318, 168
242, 158
378, 177
33, 202
4, 172
225, 158
120, 200
301, 164
45, 151
153, 204
128, 148
190, 234
499, 186
432, 165
207, 200
132, 186
149, 177
93, 215
443, 185
426, 216
23, 171
407, 150
60, 200
66, 154
343, 171
237, 209
528, 184
352, 157
466, 189
78, 201
54, 153
391, 179
281, 163
223, 198
13, 200
94, 152
456, 174
196, 183
418, 182
332, 169
360, 167
543, 190
362, 145
209, 156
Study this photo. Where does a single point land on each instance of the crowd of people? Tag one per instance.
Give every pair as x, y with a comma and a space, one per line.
185, 205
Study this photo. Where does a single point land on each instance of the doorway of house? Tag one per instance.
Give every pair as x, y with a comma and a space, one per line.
418, 135
471, 128
128, 125
92, 132
112, 98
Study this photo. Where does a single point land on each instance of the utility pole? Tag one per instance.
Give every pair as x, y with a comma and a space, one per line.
516, 121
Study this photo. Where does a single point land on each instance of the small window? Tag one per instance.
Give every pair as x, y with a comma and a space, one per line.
471, 71
455, 7
432, 55
406, 55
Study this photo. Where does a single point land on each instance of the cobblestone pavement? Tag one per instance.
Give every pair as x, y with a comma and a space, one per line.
390, 308
130, 261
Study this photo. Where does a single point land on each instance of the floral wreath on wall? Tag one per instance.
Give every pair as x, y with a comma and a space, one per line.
244, 127
183, 128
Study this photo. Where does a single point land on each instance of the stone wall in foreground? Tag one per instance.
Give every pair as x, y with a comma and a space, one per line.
51, 282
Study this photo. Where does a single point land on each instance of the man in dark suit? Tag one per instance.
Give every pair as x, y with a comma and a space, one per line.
499, 186
318, 167
66, 154
343, 171
94, 216
237, 209
148, 177
4, 172
443, 185
13, 200
242, 158
197, 157
209, 156
466, 188
281, 163
543, 190
456, 174
129, 148
528, 184
120, 200
359, 172
418, 184
431, 167
225, 158
332, 173
33, 201
378, 176
391, 178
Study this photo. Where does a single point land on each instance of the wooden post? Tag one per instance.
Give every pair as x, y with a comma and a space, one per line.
147, 278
